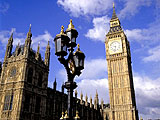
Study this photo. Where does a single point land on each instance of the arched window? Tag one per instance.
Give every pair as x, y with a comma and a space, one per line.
38, 104
27, 102
40, 77
8, 102
30, 75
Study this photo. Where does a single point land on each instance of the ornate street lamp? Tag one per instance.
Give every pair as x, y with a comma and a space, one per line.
72, 34
73, 64
79, 59
61, 42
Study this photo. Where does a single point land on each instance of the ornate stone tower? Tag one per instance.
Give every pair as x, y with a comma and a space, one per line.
120, 79
23, 82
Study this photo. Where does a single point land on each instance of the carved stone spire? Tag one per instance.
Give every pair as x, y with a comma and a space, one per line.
115, 24
102, 102
47, 54
96, 97
17, 49
86, 100
81, 98
96, 101
81, 95
10, 41
62, 87
76, 93
90, 101
114, 16
37, 53
95, 104
29, 34
55, 84
0, 68
96, 94
28, 42
9, 47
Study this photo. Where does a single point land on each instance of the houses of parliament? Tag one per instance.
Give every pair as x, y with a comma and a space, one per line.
25, 95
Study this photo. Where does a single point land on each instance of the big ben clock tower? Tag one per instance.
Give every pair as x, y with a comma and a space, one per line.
120, 79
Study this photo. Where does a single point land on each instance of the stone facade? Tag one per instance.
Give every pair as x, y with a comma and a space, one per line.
120, 79
23, 88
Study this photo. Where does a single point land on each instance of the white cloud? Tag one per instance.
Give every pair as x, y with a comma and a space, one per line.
135, 34
149, 35
20, 38
62, 75
86, 7
1, 59
100, 7
4, 36
153, 55
4, 7
93, 69
89, 87
101, 26
146, 36
131, 7
93, 77
42, 39
147, 96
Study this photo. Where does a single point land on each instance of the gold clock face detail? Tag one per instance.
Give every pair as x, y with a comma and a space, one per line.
12, 72
71, 66
115, 47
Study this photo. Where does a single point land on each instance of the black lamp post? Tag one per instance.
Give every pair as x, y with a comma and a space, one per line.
73, 64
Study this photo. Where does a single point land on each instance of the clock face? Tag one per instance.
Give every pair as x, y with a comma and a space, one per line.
71, 66
115, 47
13, 72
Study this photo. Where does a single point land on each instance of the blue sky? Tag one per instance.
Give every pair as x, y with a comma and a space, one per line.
140, 20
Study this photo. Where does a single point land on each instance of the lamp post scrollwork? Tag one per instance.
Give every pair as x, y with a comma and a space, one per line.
74, 62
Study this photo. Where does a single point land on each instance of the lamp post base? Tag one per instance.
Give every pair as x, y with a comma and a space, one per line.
70, 86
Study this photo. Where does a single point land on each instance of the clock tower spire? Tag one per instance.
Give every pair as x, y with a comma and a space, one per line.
120, 79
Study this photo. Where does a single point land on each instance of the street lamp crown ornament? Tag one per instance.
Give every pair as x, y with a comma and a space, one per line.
72, 33
62, 30
78, 49
61, 42
70, 26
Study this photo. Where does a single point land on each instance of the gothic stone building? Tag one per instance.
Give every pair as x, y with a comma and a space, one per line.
24, 79
23, 88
